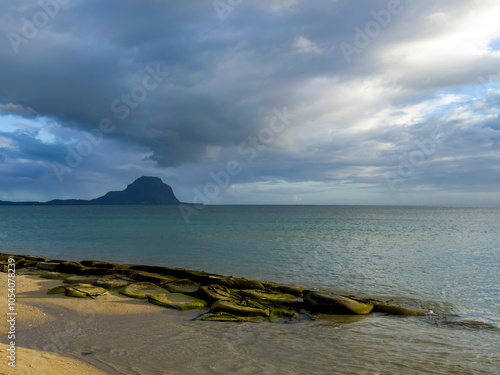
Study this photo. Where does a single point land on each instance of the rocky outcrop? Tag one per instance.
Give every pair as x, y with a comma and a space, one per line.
177, 301
218, 297
335, 304
141, 290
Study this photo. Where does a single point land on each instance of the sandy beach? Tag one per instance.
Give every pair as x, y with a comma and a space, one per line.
35, 309
115, 334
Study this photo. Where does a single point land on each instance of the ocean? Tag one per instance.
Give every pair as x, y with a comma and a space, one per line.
442, 258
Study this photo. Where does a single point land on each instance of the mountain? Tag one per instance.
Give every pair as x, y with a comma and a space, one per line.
144, 190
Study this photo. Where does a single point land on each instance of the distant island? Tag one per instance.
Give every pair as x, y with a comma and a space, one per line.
144, 190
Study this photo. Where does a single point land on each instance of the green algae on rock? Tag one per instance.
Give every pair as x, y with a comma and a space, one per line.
230, 298
335, 304
57, 290
213, 293
141, 290
227, 317
113, 281
184, 286
85, 291
80, 279
233, 308
47, 266
177, 301
273, 298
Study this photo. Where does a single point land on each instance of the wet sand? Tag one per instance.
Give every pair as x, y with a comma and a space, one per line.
114, 334
58, 318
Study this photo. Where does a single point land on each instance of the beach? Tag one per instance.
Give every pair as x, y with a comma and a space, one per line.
115, 334
35, 308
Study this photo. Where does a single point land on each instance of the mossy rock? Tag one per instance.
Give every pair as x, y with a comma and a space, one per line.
397, 310
113, 281
141, 290
335, 304
80, 279
70, 267
233, 308
57, 290
272, 298
24, 263
30, 271
177, 301
226, 317
37, 258
5, 257
288, 289
98, 264
84, 291
149, 277
184, 286
53, 275
94, 271
240, 283
213, 293
47, 266
281, 313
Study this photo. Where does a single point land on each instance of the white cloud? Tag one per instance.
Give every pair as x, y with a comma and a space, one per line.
302, 45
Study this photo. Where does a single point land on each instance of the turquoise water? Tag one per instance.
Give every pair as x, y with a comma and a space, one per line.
446, 259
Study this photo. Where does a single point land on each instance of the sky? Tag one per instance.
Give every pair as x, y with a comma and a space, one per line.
252, 101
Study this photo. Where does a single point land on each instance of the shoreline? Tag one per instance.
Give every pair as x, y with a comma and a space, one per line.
218, 297
116, 334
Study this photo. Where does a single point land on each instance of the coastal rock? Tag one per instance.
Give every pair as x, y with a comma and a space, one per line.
149, 277
47, 266
23, 263
113, 281
52, 275
241, 283
141, 290
293, 290
57, 290
85, 291
222, 316
185, 286
37, 258
275, 299
177, 301
95, 271
397, 310
70, 267
233, 308
153, 269
213, 293
80, 279
335, 304
280, 314
98, 264
5, 257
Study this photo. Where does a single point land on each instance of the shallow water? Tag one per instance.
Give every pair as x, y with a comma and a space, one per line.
171, 344
446, 259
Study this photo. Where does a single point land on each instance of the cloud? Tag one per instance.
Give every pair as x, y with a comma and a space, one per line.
433, 66
303, 45
16, 109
